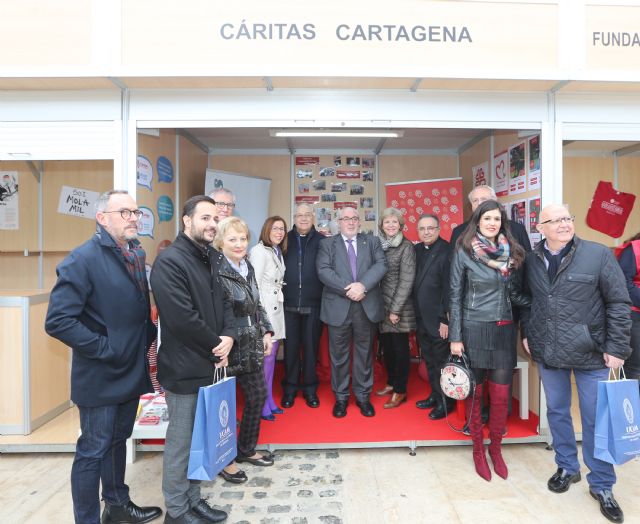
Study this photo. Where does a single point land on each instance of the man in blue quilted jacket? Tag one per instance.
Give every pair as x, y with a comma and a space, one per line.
579, 321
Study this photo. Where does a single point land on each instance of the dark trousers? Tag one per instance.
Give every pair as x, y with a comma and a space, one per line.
632, 365
435, 352
395, 349
101, 457
301, 351
360, 329
255, 393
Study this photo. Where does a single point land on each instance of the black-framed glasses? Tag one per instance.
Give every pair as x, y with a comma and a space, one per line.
558, 221
126, 213
349, 219
228, 205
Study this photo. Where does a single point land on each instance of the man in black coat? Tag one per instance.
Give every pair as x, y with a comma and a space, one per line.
430, 294
302, 295
580, 324
197, 335
100, 307
477, 196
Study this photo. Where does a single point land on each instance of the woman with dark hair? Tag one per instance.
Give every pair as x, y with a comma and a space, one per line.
252, 338
629, 260
484, 283
400, 318
268, 265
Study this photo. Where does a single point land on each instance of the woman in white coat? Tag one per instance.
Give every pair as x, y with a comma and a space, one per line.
268, 263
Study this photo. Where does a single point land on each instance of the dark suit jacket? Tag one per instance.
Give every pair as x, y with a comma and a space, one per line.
431, 286
518, 231
334, 272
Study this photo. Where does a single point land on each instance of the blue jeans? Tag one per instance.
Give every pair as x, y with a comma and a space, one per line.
557, 388
101, 456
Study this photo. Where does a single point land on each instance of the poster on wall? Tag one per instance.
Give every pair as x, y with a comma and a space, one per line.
442, 197
534, 217
147, 222
9, 203
534, 162
517, 173
518, 212
77, 202
501, 179
144, 172
480, 174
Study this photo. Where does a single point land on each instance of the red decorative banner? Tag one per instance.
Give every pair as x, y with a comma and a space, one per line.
307, 160
307, 199
442, 198
340, 205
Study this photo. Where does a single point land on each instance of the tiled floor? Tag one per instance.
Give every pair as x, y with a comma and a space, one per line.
370, 486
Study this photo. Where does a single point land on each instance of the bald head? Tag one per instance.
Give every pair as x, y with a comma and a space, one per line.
556, 224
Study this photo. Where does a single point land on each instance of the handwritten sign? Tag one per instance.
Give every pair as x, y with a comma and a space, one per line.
77, 202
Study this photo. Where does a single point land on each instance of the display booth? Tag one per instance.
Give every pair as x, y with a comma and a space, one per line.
541, 110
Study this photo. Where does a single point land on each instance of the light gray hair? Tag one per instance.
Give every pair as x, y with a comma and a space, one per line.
391, 212
222, 191
483, 187
340, 212
103, 200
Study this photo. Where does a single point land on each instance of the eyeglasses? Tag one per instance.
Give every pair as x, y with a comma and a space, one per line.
349, 219
126, 213
228, 205
429, 229
558, 221
281, 229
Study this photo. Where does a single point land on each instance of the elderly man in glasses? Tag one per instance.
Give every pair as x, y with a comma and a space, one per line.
351, 266
225, 202
579, 322
100, 307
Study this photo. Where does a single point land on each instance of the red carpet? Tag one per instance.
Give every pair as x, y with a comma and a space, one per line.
304, 425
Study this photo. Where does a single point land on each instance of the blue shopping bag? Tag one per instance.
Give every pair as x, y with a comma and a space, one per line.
213, 443
617, 433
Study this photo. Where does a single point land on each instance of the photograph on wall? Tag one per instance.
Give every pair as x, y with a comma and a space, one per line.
353, 160
517, 173
328, 197
9, 203
328, 171
304, 173
338, 187
480, 174
501, 181
367, 176
323, 214
343, 173
77, 202
534, 162
369, 216
366, 202
303, 188
369, 162
319, 185
357, 189
307, 160
518, 212
337, 160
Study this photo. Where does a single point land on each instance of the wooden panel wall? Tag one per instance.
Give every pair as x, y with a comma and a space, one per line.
276, 168
629, 182
193, 168
11, 368
475, 155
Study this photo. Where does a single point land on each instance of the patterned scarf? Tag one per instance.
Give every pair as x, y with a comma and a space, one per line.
394, 241
134, 257
496, 257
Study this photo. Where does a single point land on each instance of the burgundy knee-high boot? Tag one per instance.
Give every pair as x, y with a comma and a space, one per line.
499, 402
472, 407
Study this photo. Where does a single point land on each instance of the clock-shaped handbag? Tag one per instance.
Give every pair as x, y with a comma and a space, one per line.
456, 378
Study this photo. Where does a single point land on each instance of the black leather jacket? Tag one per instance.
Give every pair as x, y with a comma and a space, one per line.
251, 322
478, 292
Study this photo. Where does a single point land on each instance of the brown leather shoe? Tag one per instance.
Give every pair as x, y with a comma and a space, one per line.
387, 390
396, 400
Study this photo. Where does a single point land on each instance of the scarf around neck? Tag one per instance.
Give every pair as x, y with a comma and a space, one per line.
496, 257
394, 241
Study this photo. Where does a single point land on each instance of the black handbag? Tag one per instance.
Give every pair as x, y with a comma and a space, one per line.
456, 378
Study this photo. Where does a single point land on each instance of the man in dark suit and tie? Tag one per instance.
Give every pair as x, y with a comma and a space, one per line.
351, 265
430, 293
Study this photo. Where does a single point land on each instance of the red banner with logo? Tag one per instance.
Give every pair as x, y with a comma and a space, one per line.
609, 210
442, 198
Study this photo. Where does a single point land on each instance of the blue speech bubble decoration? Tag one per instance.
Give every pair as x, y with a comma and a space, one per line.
144, 172
165, 208
146, 223
164, 169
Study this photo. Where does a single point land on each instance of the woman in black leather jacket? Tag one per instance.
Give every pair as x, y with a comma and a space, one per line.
485, 280
252, 339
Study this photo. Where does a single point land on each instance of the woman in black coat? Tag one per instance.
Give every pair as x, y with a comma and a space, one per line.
484, 283
252, 337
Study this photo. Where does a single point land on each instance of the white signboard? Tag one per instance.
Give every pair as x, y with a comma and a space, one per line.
77, 202
9, 205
